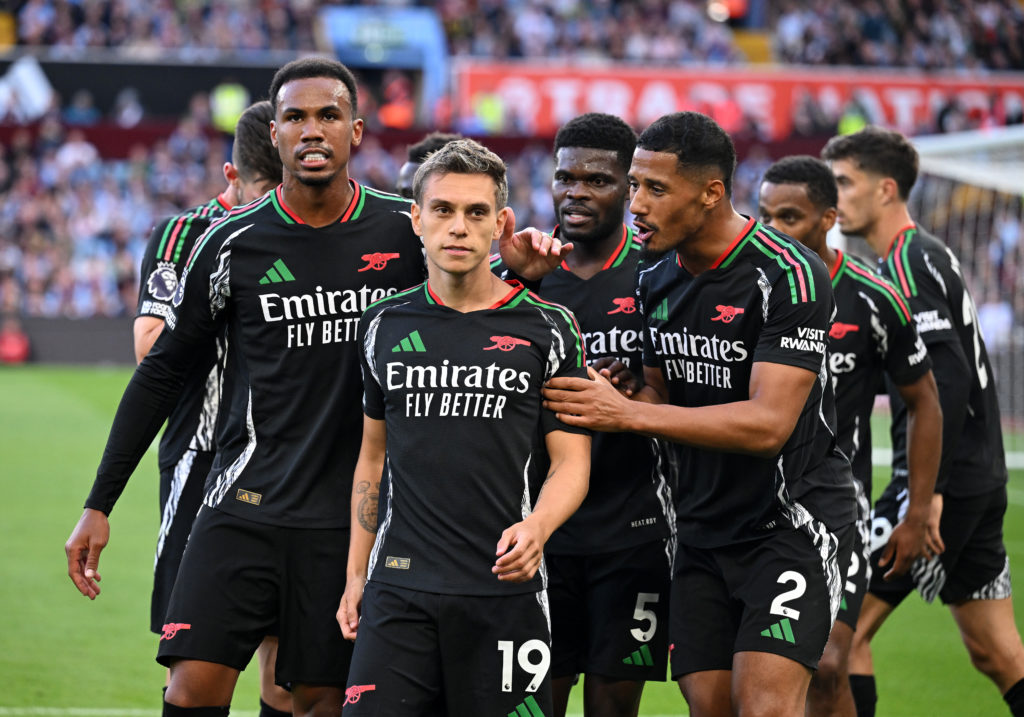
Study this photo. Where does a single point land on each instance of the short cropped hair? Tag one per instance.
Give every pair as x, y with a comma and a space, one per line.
253, 154
307, 67
431, 143
463, 156
809, 171
879, 151
696, 140
596, 130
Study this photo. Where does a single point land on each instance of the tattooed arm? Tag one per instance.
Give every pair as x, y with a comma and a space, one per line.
365, 493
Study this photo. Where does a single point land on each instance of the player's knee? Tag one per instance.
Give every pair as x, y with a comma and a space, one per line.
988, 659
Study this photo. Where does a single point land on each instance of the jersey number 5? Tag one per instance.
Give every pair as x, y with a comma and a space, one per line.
537, 669
640, 612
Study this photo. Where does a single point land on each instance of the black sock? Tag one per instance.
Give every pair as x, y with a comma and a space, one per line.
175, 711
1015, 698
268, 711
864, 694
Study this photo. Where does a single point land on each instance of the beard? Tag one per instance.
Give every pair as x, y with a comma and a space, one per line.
319, 179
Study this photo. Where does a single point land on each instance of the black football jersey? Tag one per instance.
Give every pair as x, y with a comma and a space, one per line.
630, 499
192, 422
872, 336
928, 276
288, 298
766, 299
460, 394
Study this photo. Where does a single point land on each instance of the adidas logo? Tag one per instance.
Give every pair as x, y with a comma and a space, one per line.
641, 657
661, 312
527, 708
412, 342
277, 273
781, 630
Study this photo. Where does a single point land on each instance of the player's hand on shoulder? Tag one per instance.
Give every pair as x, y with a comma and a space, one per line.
519, 552
592, 403
348, 608
83, 547
618, 374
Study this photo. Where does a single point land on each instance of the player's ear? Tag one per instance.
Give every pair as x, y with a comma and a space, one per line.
273, 132
414, 214
714, 191
357, 132
504, 217
889, 189
230, 173
828, 219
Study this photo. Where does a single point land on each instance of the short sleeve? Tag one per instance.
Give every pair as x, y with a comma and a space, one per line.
157, 283
373, 394
201, 298
795, 331
572, 364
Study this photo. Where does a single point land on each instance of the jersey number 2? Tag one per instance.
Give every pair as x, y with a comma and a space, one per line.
779, 606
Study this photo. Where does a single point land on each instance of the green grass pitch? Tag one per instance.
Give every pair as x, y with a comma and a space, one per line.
60, 651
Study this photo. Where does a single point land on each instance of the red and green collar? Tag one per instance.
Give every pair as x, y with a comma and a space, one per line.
512, 298
351, 213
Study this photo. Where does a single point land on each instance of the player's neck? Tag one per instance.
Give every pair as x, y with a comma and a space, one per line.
321, 205
589, 257
892, 221
720, 230
473, 291
828, 255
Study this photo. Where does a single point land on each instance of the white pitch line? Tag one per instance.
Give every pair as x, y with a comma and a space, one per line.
883, 457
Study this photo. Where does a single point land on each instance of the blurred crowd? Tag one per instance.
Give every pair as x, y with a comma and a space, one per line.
143, 27
930, 34
937, 34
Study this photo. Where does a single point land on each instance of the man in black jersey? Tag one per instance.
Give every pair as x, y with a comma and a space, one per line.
735, 324
187, 447
453, 370
416, 155
285, 280
872, 336
609, 565
875, 170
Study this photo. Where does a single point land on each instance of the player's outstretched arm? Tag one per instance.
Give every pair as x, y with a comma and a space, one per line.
521, 545
759, 426
365, 496
915, 536
83, 548
531, 254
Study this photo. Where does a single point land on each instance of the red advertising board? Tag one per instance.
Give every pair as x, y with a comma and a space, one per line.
532, 98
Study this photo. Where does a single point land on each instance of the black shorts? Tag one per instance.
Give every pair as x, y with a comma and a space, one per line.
855, 562
974, 565
424, 654
779, 594
240, 581
855, 567
181, 494
609, 612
